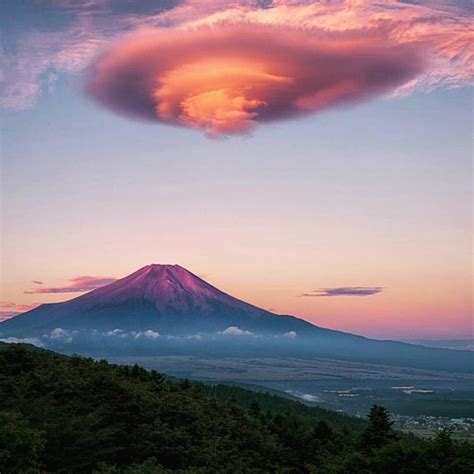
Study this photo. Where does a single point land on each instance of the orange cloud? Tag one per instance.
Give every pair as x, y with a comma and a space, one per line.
212, 95
228, 79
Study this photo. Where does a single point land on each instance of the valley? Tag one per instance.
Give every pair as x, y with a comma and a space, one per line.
421, 401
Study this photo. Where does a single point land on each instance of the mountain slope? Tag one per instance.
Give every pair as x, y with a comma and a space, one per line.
165, 309
167, 298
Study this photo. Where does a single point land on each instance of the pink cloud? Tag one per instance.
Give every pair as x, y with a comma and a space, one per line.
9, 309
79, 284
226, 80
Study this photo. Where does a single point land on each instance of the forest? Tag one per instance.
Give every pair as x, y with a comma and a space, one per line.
69, 414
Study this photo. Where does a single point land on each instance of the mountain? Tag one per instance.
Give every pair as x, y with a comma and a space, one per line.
165, 309
165, 298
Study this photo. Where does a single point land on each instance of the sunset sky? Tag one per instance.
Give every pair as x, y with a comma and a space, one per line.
310, 158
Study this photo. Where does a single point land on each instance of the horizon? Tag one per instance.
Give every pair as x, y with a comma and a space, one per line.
232, 137
103, 282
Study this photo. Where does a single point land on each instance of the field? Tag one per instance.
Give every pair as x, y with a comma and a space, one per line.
337, 385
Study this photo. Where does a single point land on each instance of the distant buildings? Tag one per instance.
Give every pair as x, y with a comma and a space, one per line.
426, 426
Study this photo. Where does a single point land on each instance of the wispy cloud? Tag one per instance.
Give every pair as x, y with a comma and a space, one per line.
45, 40
8, 305
23, 340
9, 309
79, 284
345, 291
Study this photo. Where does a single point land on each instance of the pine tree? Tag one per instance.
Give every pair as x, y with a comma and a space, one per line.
255, 409
379, 432
323, 432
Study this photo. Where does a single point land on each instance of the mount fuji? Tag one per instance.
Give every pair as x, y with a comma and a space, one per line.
165, 309
165, 298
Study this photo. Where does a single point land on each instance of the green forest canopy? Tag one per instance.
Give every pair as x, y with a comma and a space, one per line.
73, 415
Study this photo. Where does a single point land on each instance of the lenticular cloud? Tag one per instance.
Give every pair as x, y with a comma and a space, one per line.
228, 78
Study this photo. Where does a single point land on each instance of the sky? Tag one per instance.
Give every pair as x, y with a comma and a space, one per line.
311, 158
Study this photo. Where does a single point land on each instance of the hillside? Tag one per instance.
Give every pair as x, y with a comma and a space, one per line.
70, 414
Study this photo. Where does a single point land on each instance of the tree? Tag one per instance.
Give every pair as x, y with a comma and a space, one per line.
445, 455
379, 432
323, 432
20, 445
255, 409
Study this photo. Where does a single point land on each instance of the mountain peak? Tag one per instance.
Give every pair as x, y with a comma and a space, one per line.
162, 286
165, 275
163, 266
165, 297
154, 270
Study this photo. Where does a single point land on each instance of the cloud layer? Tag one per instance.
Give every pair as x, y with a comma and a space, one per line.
117, 337
345, 291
